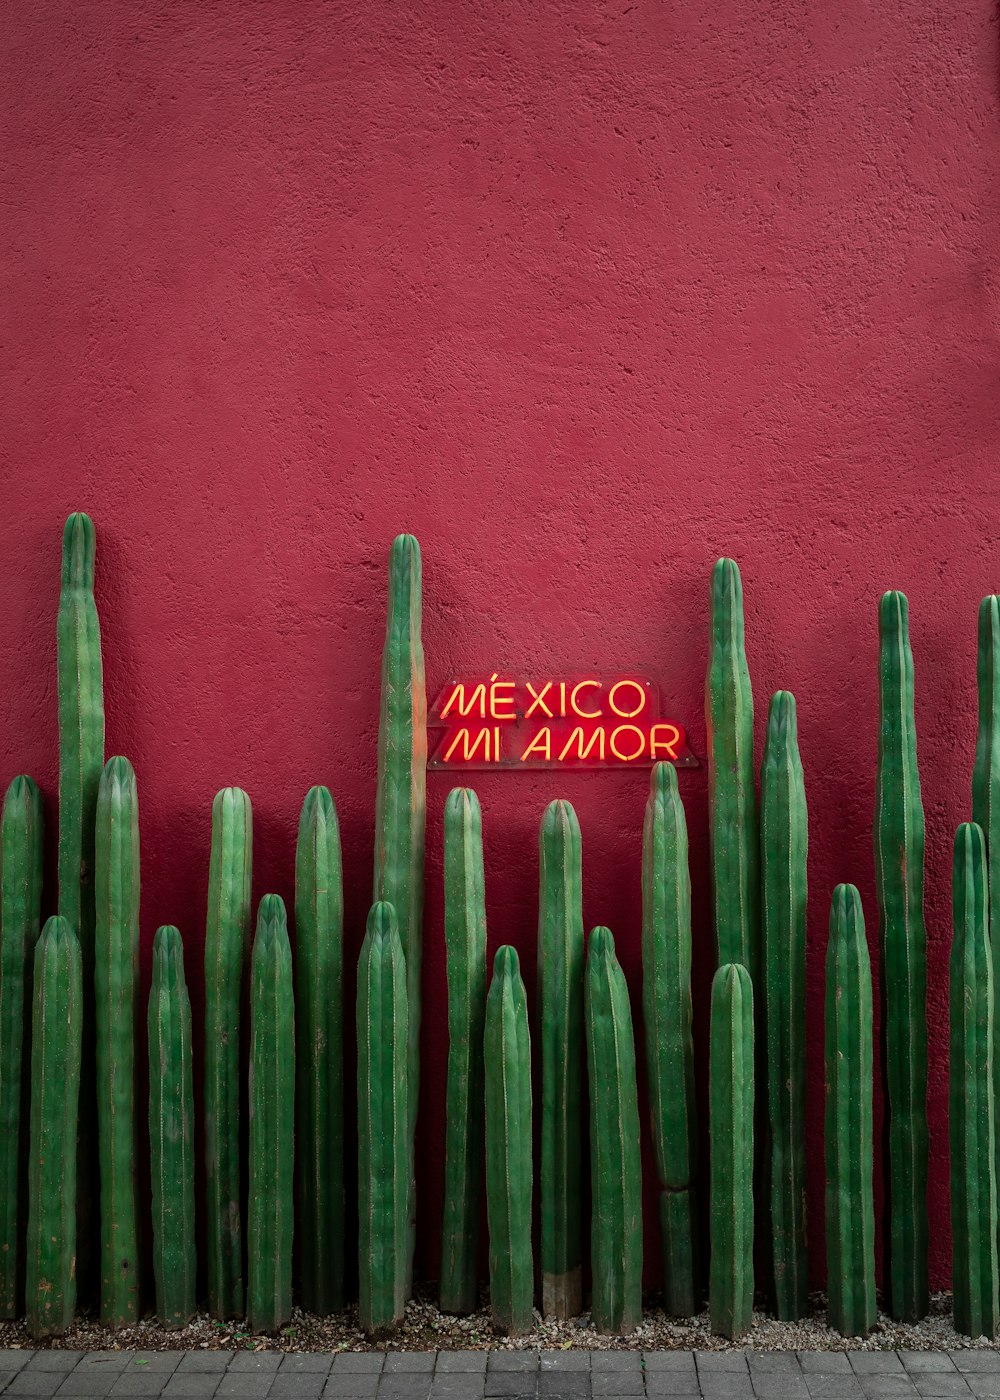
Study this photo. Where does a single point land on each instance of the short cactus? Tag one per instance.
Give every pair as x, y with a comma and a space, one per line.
615, 1167
560, 1015
383, 1161
57, 1021
272, 1121
171, 1132
507, 1044
731, 1110
20, 912
850, 1212
465, 942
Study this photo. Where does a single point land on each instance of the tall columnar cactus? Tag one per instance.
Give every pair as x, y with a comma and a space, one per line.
560, 1014
615, 1167
116, 974
732, 796
731, 1109
971, 1116
465, 942
383, 1161
401, 807
20, 905
850, 1211
784, 841
666, 995
507, 1045
227, 938
171, 1132
57, 1022
899, 878
272, 1121
986, 795
319, 1059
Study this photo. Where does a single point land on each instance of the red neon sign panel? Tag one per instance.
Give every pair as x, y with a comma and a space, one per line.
553, 722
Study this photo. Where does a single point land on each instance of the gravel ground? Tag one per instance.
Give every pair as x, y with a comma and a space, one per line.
427, 1329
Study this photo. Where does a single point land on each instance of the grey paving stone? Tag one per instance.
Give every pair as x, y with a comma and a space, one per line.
839, 1386
876, 1384
255, 1363
154, 1361
975, 1360
867, 1362
367, 1361
462, 1361
920, 1361
200, 1384
825, 1363
457, 1385
408, 1361
205, 1362
28, 1382
615, 1361
53, 1360
13, 1358
726, 1385
614, 1383
244, 1383
710, 1362
83, 1382
298, 1385
679, 1361
939, 1384
672, 1383
313, 1362
983, 1383
776, 1386
106, 1360
139, 1383
353, 1386
415, 1387
563, 1361
572, 1386
513, 1361
509, 1382
774, 1363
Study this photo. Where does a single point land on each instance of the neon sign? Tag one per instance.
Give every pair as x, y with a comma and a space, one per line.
553, 722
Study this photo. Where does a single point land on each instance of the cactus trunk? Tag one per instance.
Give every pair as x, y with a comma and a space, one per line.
400, 810
850, 1211
116, 973
899, 877
226, 940
971, 1118
383, 1154
465, 942
784, 842
666, 987
731, 1110
57, 1021
272, 1122
171, 1132
615, 1168
507, 1046
560, 999
319, 1057
20, 906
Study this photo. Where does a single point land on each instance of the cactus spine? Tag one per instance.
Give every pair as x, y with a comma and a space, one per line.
383, 1154
226, 938
986, 795
20, 905
171, 1132
666, 986
733, 829
507, 1046
116, 973
899, 877
560, 996
616, 1173
272, 1121
784, 842
57, 1020
850, 1211
319, 924
971, 1119
401, 807
731, 1109
465, 941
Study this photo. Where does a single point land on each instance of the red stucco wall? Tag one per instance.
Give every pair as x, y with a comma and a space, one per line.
584, 295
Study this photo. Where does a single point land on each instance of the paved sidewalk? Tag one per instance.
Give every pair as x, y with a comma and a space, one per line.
506, 1375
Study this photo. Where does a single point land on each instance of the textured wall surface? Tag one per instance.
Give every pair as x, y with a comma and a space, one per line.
584, 294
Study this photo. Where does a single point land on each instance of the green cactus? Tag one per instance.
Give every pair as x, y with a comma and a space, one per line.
272, 1121
666, 989
731, 1110
615, 1166
986, 794
171, 1132
20, 914
850, 1211
465, 941
57, 1022
784, 841
507, 1046
227, 938
899, 878
732, 797
401, 808
116, 974
560, 1014
971, 1118
383, 1160
319, 1060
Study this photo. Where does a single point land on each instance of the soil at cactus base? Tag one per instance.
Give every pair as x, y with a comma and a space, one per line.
427, 1329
